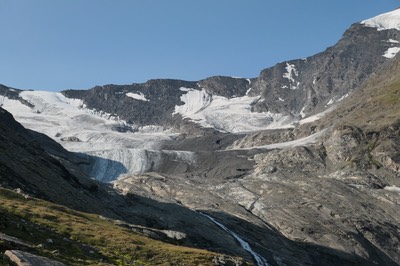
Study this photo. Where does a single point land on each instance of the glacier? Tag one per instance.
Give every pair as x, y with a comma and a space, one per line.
90, 134
110, 154
232, 115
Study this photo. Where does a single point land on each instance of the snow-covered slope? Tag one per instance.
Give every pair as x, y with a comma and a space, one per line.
91, 132
228, 114
386, 21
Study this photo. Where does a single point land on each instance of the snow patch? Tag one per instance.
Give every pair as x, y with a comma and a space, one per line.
249, 81
302, 114
343, 97
391, 52
332, 101
290, 75
185, 89
137, 96
392, 41
386, 21
295, 143
291, 72
392, 188
280, 99
247, 92
316, 116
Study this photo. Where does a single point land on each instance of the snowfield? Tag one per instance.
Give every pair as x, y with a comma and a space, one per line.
228, 115
391, 52
386, 21
392, 188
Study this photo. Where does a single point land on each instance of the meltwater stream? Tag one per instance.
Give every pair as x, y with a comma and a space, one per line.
257, 257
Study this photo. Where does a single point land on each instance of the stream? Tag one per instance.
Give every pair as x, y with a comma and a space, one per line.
257, 257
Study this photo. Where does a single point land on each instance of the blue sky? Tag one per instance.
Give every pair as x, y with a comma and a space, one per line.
77, 44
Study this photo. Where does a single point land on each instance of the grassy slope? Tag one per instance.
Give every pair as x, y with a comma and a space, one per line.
85, 239
376, 105
375, 109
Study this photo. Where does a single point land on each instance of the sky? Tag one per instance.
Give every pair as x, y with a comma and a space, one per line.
77, 44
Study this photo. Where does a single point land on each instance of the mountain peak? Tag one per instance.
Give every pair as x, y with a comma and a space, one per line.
386, 21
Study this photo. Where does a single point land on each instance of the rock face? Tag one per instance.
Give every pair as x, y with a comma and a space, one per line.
344, 145
308, 85
41, 169
161, 97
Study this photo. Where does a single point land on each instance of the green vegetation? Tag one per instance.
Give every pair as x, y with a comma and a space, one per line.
379, 107
85, 239
375, 106
385, 106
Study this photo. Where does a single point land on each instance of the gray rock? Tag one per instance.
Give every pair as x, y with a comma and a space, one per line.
72, 139
174, 234
14, 240
346, 144
22, 258
330, 75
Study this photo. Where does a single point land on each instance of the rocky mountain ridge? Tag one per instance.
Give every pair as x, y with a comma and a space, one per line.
283, 93
297, 88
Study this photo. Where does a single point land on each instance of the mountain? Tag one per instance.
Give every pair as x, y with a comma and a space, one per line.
35, 166
300, 165
296, 88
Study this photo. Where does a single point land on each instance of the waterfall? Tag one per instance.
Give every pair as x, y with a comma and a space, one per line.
257, 257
